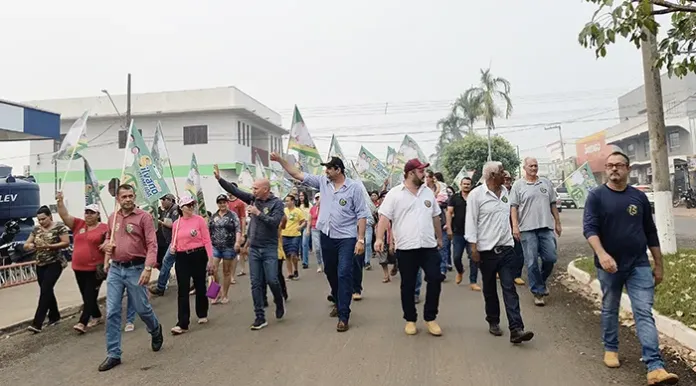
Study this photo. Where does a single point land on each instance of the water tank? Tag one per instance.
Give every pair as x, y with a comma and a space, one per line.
19, 198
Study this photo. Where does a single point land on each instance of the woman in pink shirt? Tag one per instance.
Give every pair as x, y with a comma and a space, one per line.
316, 233
194, 257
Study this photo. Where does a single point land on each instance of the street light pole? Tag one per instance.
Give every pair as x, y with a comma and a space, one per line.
563, 157
115, 108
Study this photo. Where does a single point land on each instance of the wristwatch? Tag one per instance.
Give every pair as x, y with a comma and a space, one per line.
361, 241
148, 268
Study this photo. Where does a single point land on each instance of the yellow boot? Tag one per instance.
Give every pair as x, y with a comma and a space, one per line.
611, 359
662, 377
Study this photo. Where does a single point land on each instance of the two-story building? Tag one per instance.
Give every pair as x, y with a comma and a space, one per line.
631, 134
221, 126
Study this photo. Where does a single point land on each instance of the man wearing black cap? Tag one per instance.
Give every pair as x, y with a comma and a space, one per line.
415, 219
342, 220
167, 216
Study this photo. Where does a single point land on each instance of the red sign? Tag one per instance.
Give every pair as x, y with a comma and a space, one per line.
593, 150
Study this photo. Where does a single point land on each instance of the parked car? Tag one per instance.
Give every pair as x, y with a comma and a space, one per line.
564, 198
648, 190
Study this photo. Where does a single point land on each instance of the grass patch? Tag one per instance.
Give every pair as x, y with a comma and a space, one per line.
676, 296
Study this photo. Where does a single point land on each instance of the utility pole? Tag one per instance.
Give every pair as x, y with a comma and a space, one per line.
659, 161
128, 102
489, 143
563, 157
519, 167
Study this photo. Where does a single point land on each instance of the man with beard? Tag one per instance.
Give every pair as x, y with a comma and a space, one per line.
415, 217
342, 221
456, 221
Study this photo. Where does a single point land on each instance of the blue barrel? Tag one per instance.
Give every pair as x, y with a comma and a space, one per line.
19, 198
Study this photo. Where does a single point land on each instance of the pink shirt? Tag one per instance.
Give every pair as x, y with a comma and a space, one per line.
191, 233
314, 214
134, 237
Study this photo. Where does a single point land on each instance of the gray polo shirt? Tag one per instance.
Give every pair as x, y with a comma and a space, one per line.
533, 201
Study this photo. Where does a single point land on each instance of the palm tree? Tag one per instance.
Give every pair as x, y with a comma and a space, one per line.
469, 107
490, 91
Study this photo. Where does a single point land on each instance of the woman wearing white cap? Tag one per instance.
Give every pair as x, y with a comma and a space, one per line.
194, 256
87, 259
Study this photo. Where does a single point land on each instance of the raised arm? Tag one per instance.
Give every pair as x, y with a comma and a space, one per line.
291, 169
232, 188
68, 220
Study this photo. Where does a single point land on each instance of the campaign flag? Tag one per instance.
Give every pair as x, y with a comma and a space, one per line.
580, 183
74, 142
302, 142
141, 172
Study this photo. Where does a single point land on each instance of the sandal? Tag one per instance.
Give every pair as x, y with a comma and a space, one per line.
94, 322
386, 280
176, 330
224, 301
233, 281
241, 273
79, 328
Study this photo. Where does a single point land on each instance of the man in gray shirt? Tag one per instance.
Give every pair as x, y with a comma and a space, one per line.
534, 219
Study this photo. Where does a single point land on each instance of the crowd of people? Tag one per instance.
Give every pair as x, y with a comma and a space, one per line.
422, 228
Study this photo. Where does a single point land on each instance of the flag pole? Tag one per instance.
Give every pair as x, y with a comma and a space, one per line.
65, 175
169, 161
123, 171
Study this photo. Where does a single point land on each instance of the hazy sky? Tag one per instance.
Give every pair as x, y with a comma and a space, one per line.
340, 63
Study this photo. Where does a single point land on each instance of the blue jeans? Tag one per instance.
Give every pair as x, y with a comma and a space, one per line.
445, 254
165, 270
338, 255
358, 266
263, 270
118, 280
368, 245
130, 311
460, 245
501, 261
306, 241
316, 245
640, 286
539, 243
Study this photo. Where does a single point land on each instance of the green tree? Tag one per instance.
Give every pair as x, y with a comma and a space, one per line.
631, 18
472, 152
469, 108
450, 130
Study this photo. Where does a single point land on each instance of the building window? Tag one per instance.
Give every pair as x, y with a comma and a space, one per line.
195, 135
248, 135
673, 140
646, 147
631, 150
122, 138
239, 132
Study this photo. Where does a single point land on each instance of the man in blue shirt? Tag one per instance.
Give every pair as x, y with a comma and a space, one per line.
619, 226
342, 221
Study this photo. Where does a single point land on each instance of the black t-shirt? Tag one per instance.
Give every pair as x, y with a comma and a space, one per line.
459, 218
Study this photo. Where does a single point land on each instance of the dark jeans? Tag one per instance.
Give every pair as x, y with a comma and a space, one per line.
191, 266
338, 255
519, 259
500, 260
358, 266
410, 261
460, 245
47, 277
263, 270
281, 281
89, 289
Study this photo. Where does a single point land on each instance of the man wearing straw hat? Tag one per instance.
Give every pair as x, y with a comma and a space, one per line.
131, 254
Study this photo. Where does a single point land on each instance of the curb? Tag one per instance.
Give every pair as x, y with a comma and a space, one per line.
65, 313
665, 325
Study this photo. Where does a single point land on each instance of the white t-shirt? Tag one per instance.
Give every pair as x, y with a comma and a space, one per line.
411, 216
488, 219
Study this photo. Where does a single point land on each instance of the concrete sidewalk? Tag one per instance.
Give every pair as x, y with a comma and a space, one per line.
18, 304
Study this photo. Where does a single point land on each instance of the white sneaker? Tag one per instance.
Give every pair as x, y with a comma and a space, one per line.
129, 327
319, 270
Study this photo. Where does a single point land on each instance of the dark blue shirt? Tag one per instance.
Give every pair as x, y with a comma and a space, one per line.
624, 224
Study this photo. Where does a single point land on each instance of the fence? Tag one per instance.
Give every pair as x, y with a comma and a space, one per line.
17, 274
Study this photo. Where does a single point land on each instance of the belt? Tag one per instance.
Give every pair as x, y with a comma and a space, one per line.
127, 264
191, 251
498, 250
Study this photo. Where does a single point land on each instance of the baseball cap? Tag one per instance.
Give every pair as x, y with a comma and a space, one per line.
222, 197
186, 200
414, 164
335, 162
92, 208
317, 195
168, 196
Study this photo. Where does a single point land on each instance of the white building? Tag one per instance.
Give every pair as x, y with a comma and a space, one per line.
220, 125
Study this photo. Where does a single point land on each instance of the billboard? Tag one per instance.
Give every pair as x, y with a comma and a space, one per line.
593, 150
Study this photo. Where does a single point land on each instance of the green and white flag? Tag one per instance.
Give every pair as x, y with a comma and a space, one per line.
336, 151
74, 142
302, 142
160, 155
370, 168
408, 150
260, 169
579, 184
368, 200
141, 172
245, 177
92, 187
391, 155
193, 187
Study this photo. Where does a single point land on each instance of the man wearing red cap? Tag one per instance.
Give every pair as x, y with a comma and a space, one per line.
415, 216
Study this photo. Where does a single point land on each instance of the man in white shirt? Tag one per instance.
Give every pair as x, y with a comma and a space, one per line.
488, 231
415, 219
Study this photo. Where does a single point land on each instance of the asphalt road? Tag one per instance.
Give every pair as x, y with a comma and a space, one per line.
304, 348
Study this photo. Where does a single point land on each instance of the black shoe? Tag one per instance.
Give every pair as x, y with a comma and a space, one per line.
157, 339
52, 323
331, 299
259, 324
305, 266
495, 330
34, 329
296, 275
109, 363
156, 291
449, 268
519, 336
280, 310
334, 312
